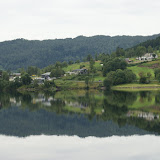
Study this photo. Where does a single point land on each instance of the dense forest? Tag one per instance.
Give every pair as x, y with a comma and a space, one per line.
155, 43
148, 46
23, 53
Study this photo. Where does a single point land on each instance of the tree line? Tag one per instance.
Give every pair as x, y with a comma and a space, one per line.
22, 53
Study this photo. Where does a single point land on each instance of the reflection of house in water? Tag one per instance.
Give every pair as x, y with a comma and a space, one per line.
13, 101
76, 104
146, 115
43, 100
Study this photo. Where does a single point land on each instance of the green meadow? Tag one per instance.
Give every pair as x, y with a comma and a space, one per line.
137, 69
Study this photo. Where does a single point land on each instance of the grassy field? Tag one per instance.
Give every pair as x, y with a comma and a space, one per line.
151, 63
86, 65
147, 67
76, 84
145, 70
97, 77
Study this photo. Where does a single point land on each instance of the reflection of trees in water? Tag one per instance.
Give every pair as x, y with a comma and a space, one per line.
111, 100
151, 126
145, 95
4, 100
57, 105
18, 122
83, 101
26, 98
157, 98
115, 113
23, 100
121, 98
114, 105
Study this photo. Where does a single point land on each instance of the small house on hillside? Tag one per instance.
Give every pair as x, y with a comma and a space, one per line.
14, 75
69, 73
128, 60
0, 74
148, 57
101, 64
46, 75
80, 71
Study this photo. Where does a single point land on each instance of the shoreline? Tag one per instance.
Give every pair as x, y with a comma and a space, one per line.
137, 87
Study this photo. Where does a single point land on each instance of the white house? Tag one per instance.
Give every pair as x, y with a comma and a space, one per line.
77, 71
80, 71
46, 75
148, 57
14, 75
69, 73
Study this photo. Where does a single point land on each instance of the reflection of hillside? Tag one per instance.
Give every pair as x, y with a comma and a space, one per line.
145, 100
118, 107
22, 122
121, 98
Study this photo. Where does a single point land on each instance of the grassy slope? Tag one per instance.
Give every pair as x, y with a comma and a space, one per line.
69, 84
97, 65
137, 70
145, 67
86, 64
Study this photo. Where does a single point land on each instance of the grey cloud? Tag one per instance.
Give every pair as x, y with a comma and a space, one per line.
70, 18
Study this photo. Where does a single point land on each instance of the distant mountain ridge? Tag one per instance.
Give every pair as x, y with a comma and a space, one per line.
23, 53
154, 43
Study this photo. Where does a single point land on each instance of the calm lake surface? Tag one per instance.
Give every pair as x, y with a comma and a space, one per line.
80, 124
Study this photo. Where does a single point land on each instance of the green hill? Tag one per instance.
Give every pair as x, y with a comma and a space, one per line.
155, 43
23, 53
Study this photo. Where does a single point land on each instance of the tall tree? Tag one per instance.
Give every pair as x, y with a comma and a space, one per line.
150, 49
140, 51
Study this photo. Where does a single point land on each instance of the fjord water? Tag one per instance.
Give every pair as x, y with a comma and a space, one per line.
80, 124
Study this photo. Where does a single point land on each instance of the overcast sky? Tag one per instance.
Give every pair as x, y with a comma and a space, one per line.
50, 19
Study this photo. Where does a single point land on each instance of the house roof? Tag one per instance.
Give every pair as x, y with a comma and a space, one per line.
46, 74
39, 78
78, 70
16, 74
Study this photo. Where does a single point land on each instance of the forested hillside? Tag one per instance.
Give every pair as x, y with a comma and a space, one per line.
23, 53
148, 46
155, 43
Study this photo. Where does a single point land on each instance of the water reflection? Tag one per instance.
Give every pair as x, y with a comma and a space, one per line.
146, 115
82, 113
